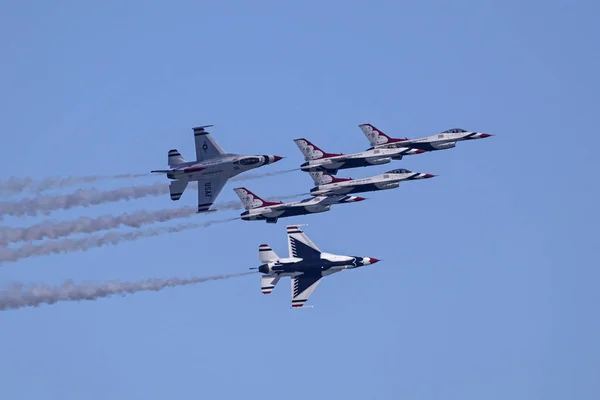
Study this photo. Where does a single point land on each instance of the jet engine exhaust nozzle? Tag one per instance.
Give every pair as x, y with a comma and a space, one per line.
263, 269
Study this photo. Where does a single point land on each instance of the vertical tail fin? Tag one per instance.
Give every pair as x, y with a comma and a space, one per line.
175, 158
250, 200
312, 152
377, 137
321, 178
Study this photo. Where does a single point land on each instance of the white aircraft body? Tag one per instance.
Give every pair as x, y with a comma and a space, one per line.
306, 265
441, 141
258, 209
212, 169
319, 160
327, 185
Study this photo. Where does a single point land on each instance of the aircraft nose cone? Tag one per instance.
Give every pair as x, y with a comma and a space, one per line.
277, 158
373, 260
420, 151
484, 135
358, 198
429, 176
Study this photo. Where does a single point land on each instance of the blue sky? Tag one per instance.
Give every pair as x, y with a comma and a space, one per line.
489, 284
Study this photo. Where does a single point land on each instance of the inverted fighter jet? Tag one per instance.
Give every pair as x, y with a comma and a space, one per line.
441, 141
212, 169
306, 265
258, 209
327, 185
319, 160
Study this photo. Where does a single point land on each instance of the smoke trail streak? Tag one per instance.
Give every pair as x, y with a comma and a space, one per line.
15, 185
80, 198
54, 229
18, 295
89, 242
249, 176
88, 197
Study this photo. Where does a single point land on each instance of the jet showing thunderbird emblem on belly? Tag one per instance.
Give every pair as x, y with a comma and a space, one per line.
306, 265
212, 169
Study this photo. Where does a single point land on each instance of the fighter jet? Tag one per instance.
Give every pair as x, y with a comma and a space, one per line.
327, 185
440, 141
212, 169
319, 160
306, 265
258, 209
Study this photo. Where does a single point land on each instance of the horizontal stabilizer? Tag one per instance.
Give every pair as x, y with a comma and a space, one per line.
175, 158
266, 254
267, 283
176, 188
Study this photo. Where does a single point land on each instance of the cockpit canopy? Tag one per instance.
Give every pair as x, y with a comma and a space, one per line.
249, 161
399, 171
455, 130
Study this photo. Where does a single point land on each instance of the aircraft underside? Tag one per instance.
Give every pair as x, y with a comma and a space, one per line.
367, 187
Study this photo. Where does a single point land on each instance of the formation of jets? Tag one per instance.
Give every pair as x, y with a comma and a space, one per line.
306, 264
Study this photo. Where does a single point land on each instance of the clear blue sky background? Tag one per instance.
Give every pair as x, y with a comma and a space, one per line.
489, 288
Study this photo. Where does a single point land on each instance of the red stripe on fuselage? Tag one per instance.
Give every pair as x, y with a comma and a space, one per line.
194, 169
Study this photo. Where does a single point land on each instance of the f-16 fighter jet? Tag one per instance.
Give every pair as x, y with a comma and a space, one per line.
212, 169
306, 265
318, 160
440, 141
258, 209
327, 185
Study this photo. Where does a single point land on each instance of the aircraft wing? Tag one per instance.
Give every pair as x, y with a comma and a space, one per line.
299, 245
302, 287
208, 191
206, 146
332, 199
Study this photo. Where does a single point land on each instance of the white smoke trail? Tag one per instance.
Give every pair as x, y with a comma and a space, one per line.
80, 198
16, 185
89, 242
256, 175
51, 229
46, 204
18, 295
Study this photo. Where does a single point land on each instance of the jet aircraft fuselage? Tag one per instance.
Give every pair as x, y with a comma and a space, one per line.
327, 185
306, 265
441, 141
212, 168
319, 160
226, 167
327, 264
258, 209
